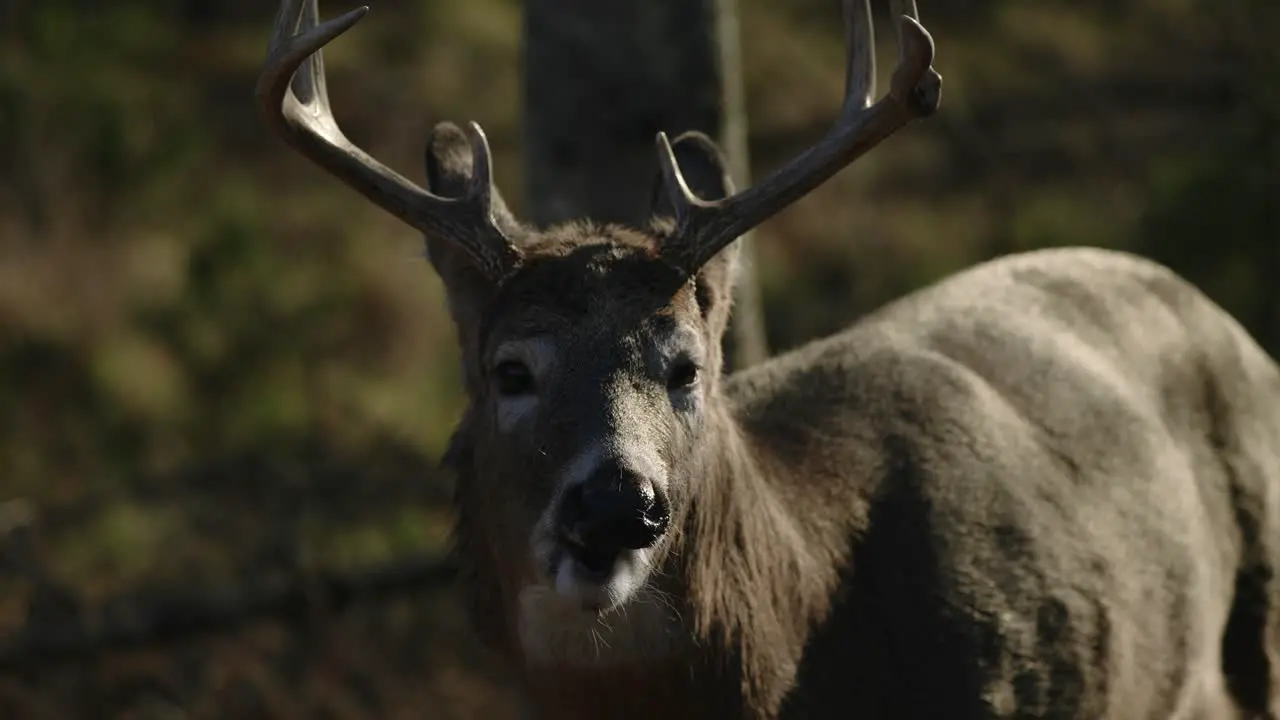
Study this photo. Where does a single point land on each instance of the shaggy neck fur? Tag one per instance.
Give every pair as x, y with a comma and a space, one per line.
758, 575
748, 578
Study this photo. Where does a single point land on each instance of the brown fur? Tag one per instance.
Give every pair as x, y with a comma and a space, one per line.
1046, 487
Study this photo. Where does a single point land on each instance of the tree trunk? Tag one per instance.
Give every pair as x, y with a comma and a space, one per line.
601, 79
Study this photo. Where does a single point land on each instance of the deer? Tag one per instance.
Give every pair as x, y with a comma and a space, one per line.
1045, 486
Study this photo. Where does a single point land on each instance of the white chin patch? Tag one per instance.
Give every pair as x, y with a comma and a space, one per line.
584, 618
591, 592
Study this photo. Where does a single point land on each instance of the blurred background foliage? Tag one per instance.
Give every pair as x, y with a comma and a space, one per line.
219, 368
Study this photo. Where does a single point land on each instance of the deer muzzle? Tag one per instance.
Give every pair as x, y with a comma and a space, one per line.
612, 511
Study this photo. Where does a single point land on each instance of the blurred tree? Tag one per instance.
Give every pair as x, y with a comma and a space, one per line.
601, 79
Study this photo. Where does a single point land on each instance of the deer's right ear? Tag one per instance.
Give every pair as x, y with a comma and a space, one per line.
705, 171
448, 161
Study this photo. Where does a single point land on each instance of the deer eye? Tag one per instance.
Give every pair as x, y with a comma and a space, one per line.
513, 378
683, 375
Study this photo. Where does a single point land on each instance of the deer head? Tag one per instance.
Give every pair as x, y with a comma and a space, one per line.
591, 353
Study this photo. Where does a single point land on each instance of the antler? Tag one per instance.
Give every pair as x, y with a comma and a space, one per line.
703, 227
296, 105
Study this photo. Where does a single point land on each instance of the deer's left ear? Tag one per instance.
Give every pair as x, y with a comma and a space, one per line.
706, 172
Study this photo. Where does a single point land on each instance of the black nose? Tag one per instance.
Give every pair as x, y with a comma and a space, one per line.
615, 509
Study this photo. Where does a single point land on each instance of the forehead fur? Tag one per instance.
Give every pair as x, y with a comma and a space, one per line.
581, 270
564, 239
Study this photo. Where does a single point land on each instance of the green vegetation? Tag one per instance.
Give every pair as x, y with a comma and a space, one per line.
218, 364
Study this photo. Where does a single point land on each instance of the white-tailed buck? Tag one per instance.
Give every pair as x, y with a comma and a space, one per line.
1045, 487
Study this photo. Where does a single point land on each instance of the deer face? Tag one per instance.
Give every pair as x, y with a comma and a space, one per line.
591, 371
594, 371
593, 383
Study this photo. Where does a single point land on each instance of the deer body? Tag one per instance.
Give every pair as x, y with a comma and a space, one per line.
1046, 487
1039, 489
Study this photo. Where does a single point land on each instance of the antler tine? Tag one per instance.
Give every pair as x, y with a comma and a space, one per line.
860, 56
294, 101
927, 90
704, 228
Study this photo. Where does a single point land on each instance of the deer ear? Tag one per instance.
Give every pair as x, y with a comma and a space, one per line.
706, 172
448, 165
448, 160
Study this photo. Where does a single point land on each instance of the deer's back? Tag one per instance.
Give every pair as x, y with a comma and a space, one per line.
1044, 471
